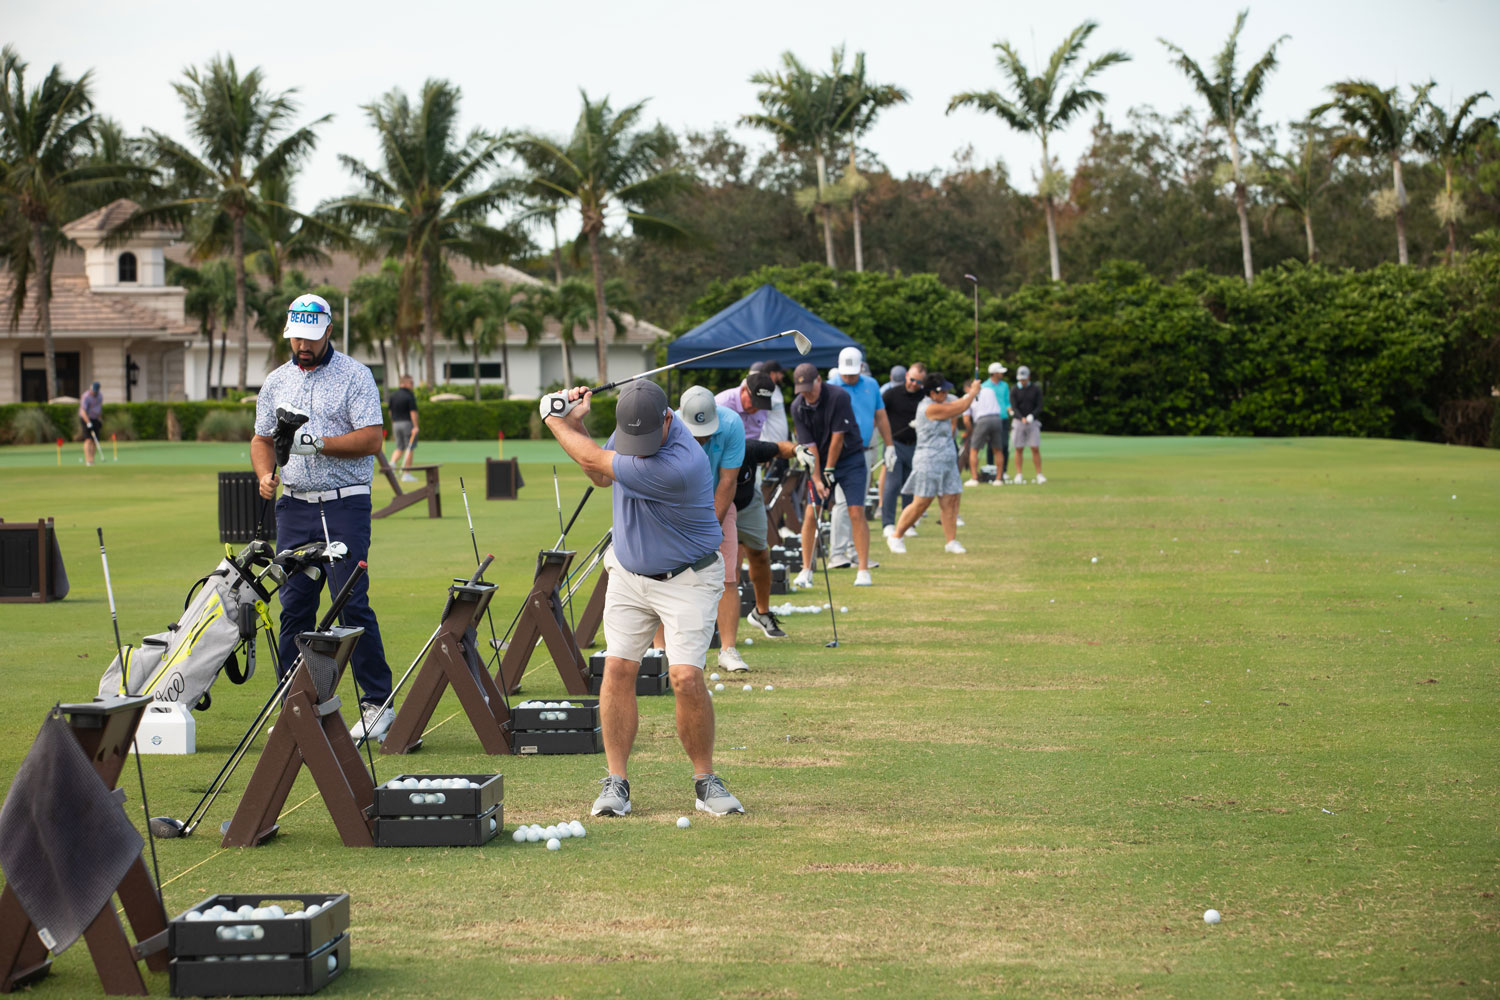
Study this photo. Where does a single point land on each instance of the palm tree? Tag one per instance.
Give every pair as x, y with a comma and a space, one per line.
862, 102
278, 239
1381, 124
803, 110
608, 164
1450, 142
479, 316
1043, 104
210, 300
1297, 184
514, 305
48, 175
377, 310
244, 138
433, 195
1229, 101
574, 306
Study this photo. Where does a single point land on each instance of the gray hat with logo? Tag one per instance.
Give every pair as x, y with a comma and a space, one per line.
639, 415
699, 412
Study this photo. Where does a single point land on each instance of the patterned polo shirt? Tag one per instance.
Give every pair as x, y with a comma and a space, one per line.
340, 397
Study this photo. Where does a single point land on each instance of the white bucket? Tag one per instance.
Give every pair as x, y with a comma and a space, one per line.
167, 727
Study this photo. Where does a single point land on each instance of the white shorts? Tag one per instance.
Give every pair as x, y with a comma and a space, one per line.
686, 606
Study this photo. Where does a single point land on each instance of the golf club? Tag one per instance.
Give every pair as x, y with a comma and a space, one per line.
166, 826
819, 550
359, 696
98, 448
976, 322
494, 643
558, 405
114, 619
562, 532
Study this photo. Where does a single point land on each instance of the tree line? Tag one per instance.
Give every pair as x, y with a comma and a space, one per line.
662, 216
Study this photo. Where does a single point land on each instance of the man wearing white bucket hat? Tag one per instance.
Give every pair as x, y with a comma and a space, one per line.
327, 472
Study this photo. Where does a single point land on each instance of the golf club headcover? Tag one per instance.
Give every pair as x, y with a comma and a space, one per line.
555, 404
288, 420
306, 443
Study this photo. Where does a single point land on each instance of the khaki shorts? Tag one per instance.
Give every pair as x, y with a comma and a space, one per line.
752, 523
686, 606
1024, 435
729, 548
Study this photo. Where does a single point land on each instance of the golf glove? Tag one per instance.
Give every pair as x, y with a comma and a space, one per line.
1028, 418
307, 443
806, 458
555, 404
828, 478
890, 456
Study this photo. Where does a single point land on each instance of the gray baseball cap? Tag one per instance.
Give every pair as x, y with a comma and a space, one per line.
639, 415
1023, 372
699, 412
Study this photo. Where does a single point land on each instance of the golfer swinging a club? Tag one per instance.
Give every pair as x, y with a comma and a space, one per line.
664, 569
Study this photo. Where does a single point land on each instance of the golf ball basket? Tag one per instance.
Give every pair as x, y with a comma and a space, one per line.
541, 619
450, 817
543, 730
453, 660
652, 679
234, 956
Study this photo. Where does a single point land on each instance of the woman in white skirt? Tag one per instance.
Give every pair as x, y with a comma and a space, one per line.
934, 472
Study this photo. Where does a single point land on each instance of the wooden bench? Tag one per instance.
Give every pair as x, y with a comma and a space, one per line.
429, 491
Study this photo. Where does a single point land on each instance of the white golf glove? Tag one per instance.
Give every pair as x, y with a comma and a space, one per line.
806, 458
890, 456
1028, 418
555, 404
306, 443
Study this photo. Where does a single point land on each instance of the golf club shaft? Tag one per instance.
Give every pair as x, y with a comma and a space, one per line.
678, 364
828, 515
488, 615
345, 592
235, 756
569, 526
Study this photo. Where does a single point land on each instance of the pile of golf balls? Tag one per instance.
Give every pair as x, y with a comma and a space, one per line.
553, 835
249, 932
425, 796
782, 610
548, 716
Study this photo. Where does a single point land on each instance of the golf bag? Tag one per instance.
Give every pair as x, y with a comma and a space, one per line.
221, 614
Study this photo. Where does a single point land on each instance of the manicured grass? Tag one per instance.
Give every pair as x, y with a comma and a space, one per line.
1024, 773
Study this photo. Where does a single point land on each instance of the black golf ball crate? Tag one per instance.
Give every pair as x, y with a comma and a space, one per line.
788, 559
439, 815
540, 729
747, 594
217, 953
652, 679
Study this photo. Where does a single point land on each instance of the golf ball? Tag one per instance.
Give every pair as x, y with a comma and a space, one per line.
554, 844
749, 642
1210, 916
532, 836
193, 915
550, 833
333, 961
713, 677
683, 822
843, 611
564, 831
577, 828
1094, 559
749, 687
718, 687
492, 824
770, 687
519, 836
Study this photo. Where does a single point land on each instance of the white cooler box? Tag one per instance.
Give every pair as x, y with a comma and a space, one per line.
167, 727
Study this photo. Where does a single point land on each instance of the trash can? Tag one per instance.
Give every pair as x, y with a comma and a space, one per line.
239, 503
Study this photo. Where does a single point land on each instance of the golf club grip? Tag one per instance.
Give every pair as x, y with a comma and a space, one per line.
344, 594
578, 510
489, 558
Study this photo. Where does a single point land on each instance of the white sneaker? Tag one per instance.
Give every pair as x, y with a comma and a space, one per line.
373, 721
955, 548
888, 531
971, 482
730, 659
1040, 478
895, 544
862, 579
407, 477
960, 522
997, 481
804, 579
910, 533
1016, 480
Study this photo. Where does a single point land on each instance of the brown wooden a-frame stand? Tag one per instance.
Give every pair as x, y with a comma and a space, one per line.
105, 730
593, 612
542, 619
309, 731
446, 664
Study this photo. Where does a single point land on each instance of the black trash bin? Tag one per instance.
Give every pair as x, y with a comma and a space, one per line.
239, 503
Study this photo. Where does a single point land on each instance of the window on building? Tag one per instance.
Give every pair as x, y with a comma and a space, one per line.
463, 370
127, 267
34, 376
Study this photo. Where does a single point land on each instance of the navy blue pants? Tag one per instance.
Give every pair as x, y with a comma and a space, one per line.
895, 478
297, 523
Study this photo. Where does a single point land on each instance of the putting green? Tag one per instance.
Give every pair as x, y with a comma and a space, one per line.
1024, 773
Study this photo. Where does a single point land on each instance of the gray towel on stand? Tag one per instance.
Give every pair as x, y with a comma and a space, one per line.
65, 842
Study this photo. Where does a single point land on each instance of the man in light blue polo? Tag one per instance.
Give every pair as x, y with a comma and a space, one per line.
664, 571
870, 415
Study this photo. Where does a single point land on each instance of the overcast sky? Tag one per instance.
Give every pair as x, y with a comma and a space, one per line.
521, 65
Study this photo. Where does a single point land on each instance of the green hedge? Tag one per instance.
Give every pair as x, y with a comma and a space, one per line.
1395, 351
453, 421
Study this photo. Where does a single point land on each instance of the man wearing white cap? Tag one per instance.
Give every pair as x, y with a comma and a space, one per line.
1026, 423
986, 419
327, 472
870, 415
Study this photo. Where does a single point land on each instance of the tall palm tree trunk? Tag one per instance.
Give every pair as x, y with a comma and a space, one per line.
599, 307
822, 168
208, 372
505, 360
1400, 209
567, 360
1312, 249
556, 255
1452, 222
239, 298
223, 353
1052, 237
44, 305
859, 250
474, 343
1239, 206
429, 323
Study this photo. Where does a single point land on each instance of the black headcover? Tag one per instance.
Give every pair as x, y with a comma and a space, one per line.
288, 420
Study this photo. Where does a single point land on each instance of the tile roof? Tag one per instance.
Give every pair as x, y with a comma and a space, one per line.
77, 309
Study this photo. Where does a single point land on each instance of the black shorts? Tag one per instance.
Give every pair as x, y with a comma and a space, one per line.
97, 426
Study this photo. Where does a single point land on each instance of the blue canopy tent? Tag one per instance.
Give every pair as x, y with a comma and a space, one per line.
761, 313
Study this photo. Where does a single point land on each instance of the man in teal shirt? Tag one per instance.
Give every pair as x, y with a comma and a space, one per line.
987, 420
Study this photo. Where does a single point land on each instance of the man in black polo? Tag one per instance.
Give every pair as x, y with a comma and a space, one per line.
901, 408
825, 421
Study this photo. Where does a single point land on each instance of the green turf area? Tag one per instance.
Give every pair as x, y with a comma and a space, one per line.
1276, 693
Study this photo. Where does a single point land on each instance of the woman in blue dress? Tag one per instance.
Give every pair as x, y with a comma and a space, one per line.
934, 471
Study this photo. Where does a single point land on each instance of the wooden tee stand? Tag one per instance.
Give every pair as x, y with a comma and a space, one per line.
405, 498
447, 664
105, 730
309, 731
593, 612
542, 619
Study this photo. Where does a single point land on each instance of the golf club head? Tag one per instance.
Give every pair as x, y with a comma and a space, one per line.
800, 339
167, 828
831, 645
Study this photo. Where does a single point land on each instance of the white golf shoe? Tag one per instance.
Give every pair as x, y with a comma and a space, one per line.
1040, 478
730, 659
971, 482
895, 544
955, 548
803, 579
862, 579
